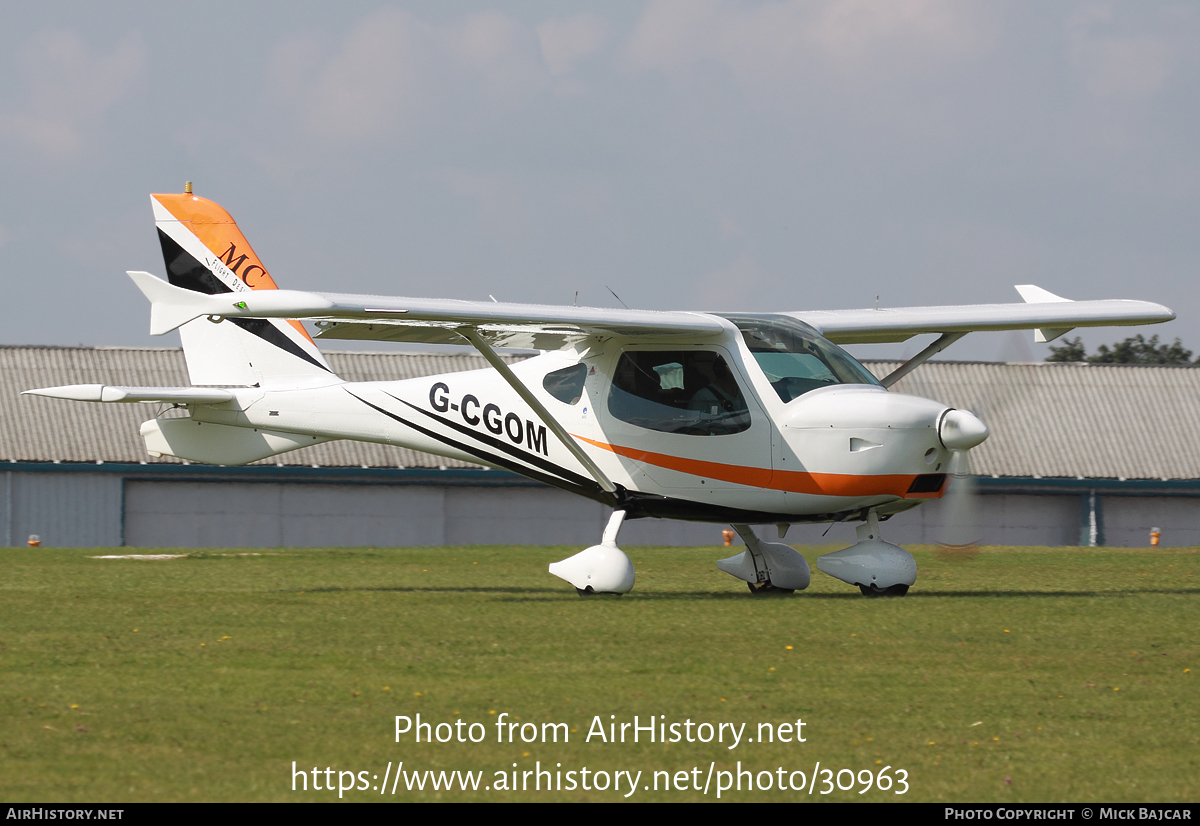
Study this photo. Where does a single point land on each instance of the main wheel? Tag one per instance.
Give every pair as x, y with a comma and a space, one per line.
873, 591
589, 592
761, 588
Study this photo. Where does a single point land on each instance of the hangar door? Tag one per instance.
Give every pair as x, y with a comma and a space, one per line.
302, 514
277, 514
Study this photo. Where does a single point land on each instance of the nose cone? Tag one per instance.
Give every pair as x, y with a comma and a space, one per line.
960, 430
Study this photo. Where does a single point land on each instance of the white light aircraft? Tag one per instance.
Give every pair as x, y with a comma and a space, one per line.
737, 418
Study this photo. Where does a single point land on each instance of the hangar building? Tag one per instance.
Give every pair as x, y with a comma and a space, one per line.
1079, 454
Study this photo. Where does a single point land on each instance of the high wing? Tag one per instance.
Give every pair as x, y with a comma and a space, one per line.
1050, 315
549, 327
434, 321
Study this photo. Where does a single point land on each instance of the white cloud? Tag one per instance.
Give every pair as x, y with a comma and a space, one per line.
360, 91
392, 70
67, 90
1121, 68
500, 56
1113, 66
853, 30
567, 40
673, 35
780, 40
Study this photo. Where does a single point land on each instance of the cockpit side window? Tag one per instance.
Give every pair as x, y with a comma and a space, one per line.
566, 384
691, 392
795, 358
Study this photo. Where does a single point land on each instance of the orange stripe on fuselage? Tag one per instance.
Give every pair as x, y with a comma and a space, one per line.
792, 481
217, 230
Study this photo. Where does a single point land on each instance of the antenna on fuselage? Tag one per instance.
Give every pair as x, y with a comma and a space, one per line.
614, 295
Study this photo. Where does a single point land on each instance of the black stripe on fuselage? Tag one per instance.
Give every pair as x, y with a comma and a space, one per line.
491, 441
636, 505
583, 487
183, 270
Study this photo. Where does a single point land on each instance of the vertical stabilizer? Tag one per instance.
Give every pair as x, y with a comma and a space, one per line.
206, 252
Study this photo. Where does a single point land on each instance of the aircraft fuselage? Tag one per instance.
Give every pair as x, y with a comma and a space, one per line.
827, 454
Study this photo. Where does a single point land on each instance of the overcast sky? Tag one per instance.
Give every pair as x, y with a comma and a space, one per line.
690, 154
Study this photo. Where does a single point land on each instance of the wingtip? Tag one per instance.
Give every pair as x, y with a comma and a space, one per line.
1033, 294
170, 307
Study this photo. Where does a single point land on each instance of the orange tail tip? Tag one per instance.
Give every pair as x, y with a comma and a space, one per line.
217, 231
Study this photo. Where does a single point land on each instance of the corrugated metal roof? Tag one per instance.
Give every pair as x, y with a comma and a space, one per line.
1049, 420
1095, 421
36, 429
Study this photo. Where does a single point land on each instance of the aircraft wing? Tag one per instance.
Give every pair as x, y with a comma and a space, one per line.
543, 327
1048, 314
426, 320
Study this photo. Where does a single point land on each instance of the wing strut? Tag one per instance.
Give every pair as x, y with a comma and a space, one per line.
485, 350
943, 341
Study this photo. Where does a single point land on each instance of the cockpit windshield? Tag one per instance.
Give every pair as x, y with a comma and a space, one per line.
795, 358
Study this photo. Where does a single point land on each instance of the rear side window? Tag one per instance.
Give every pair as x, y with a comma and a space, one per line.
566, 384
691, 392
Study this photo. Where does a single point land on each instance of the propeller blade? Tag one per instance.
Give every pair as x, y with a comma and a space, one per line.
962, 529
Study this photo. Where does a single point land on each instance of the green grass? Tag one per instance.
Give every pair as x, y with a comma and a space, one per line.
1005, 675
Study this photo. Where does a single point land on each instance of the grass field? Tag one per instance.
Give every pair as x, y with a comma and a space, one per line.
1007, 675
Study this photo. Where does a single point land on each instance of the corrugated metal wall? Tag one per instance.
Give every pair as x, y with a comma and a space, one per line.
1092, 421
1049, 420
37, 429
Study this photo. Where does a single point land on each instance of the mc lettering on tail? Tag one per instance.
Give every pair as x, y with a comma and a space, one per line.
204, 251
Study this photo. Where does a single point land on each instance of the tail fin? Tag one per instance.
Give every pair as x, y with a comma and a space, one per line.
206, 252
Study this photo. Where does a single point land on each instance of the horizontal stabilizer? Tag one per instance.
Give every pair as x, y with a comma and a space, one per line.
109, 393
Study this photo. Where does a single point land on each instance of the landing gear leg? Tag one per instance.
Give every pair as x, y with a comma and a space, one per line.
878, 568
600, 569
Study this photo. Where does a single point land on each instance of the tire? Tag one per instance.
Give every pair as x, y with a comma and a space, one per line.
893, 591
764, 588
